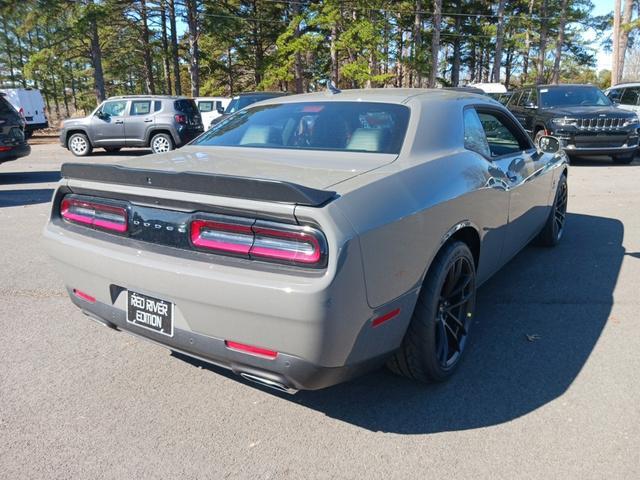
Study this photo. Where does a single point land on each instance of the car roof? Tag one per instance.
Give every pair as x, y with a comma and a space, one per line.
382, 95
158, 97
623, 85
260, 94
558, 85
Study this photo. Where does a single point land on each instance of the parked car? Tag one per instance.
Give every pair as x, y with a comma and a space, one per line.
13, 143
30, 104
242, 100
159, 122
581, 117
625, 96
211, 107
314, 237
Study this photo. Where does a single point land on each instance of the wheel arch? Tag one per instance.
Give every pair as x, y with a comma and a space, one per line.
154, 131
74, 131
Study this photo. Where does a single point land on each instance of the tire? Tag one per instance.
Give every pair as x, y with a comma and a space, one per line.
161, 143
428, 352
623, 159
112, 149
79, 145
553, 229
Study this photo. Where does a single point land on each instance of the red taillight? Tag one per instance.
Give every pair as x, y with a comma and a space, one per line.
180, 118
264, 240
93, 214
4, 149
251, 350
84, 296
221, 236
297, 246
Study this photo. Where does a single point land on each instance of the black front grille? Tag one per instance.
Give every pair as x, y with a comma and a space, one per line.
601, 123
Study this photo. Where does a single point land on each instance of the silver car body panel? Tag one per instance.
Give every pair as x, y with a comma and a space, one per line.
390, 216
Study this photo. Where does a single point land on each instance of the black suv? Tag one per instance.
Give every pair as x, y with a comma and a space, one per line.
242, 100
12, 140
581, 117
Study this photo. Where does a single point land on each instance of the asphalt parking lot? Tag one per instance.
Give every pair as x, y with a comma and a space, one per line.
549, 388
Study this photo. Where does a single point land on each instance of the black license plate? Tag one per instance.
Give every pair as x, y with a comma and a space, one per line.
150, 313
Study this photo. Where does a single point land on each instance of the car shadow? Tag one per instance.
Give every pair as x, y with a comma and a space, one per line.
121, 153
538, 320
15, 178
16, 198
600, 161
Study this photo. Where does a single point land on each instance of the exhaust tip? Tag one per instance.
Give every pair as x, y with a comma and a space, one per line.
268, 383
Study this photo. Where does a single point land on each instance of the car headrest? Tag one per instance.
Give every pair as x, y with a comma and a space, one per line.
366, 139
258, 134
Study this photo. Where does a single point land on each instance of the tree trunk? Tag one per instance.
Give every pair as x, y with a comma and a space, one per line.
230, 71
174, 48
559, 43
624, 36
165, 47
497, 59
297, 62
194, 54
457, 52
435, 42
335, 67
615, 74
542, 50
507, 67
527, 45
96, 60
146, 50
417, 44
9, 48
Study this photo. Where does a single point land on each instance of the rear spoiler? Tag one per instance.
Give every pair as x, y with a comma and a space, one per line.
194, 182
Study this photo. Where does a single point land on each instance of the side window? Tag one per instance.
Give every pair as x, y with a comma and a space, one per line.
114, 109
629, 96
501, 140
515, 99
205, 107
157, 105
140, 107
533, 97
474, 137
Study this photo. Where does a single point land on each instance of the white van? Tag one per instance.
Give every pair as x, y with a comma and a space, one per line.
489, 87
211, 107
30, 104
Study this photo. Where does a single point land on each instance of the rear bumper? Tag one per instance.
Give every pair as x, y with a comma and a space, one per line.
185, 134
320, 325
15, 152
286, 372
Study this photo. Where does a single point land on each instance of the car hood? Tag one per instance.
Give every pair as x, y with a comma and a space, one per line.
70, 122
582, 112
315, 169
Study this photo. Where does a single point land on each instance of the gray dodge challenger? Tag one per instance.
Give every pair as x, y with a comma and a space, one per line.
307, 239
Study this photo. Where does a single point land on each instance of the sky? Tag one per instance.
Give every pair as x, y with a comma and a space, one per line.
601, 7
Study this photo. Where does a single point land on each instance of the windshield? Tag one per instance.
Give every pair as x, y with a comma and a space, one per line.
572, 97
343, 126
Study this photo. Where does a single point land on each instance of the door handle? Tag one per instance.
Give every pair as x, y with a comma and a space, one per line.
119, 122
147, 120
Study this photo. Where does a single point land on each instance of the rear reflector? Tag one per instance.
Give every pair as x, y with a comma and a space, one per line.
5, 149
94, 214
385, 318
251, 350
84, 296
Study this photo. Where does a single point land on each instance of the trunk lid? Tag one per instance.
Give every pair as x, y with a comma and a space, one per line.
309, 168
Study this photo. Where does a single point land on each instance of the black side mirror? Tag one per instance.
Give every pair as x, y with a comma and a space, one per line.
220, 109
548, 144
102, 115
615, 101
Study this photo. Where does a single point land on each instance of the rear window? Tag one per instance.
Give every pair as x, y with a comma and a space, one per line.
341, 126
186, 105
6, 107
